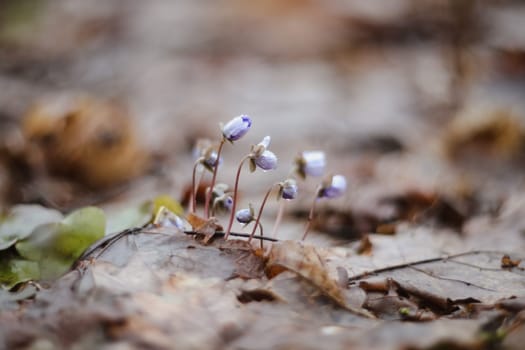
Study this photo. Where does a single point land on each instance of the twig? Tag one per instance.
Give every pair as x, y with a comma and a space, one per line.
107, 241
237, 234
467, 283
420, 262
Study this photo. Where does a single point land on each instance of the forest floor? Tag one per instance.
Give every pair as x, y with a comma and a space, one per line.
418, 104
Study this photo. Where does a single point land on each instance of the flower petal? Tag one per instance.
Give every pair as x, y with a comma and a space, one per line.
289, 189
266, 161
237, 127
336, 188
312, 163
265, 142
244, 216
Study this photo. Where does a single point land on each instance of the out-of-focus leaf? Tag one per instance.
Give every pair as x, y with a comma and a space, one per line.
304, 260
141, 214
135, 216
98, 144
21, 220
9, 300
84, 227
168, 202
14, 271
56, 246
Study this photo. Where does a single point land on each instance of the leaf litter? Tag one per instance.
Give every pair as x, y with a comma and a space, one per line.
158, 285
153, 287
430, 244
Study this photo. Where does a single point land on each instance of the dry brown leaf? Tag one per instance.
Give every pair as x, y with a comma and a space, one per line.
304, 260
205, 227
92, 140
365, 246
507, 262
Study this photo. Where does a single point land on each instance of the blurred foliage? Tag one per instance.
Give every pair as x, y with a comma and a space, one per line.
55, 246
39, 243
16, 17
21, 220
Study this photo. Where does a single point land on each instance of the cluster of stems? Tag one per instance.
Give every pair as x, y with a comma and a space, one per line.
309, 163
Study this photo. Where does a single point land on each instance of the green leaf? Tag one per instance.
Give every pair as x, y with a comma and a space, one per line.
136, 216
14, 271
21, 220
83, 227
167, 202
56, 246
139, 215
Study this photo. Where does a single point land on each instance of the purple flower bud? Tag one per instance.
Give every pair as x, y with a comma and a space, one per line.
244, 216
210, 159
205, 154
200, 147
312, 163
289, 189
166, 218
266, 161
227, 203
334, 188
173, 221
222, 200
236, 128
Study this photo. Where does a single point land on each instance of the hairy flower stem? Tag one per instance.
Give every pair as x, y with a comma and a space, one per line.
194, 185
261, 234
209, 190
232, 214
311, 214
278, 219
260, 212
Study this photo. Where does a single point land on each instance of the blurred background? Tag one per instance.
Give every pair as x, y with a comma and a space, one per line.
403, 95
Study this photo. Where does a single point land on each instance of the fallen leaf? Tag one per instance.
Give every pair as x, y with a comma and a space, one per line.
56, 246
205, 227
21, 220
15, 271
507, 262
91, 140
304, 260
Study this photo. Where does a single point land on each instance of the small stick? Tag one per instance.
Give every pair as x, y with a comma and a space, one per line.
237, 234
420, 262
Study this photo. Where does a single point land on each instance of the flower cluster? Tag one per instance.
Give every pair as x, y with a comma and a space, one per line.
219, 198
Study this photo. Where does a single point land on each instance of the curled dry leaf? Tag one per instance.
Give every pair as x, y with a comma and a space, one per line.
507, 262
90, 140
206, 227
304, 260
493, 132
365, 246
